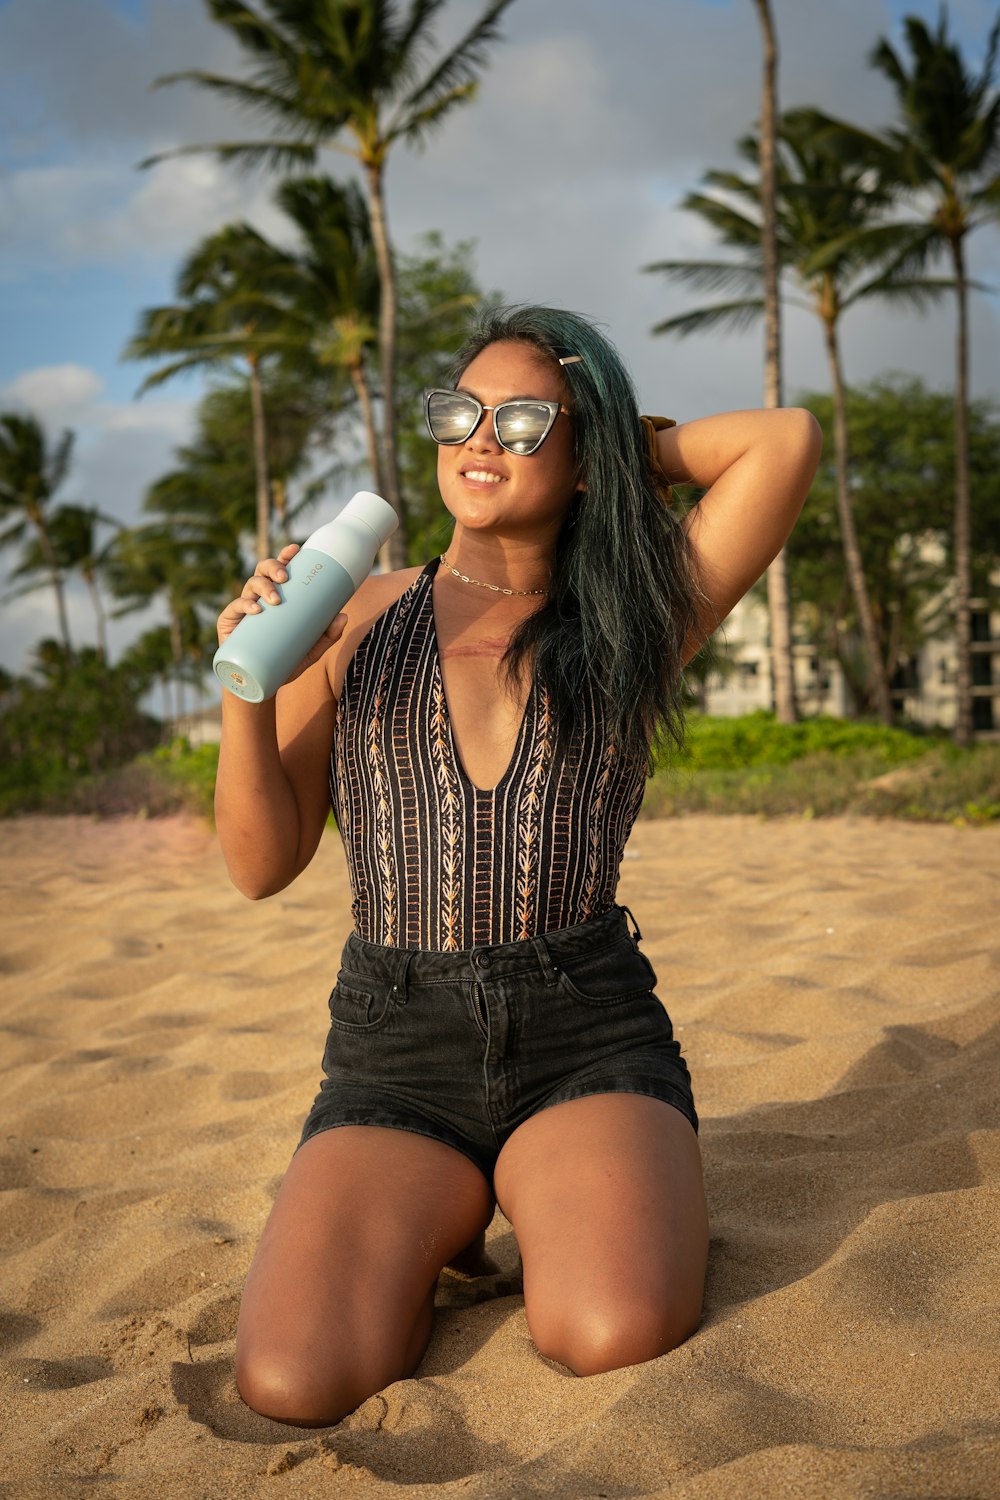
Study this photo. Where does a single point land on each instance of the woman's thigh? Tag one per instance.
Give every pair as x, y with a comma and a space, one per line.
607, 1199
338, 1302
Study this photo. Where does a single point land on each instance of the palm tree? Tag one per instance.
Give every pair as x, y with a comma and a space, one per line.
30, 474
323, 298
832, 239
946, 153
219, 317
323, 68
180, 566
73, 534
779, 603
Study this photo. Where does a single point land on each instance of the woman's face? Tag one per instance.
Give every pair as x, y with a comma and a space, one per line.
485, 487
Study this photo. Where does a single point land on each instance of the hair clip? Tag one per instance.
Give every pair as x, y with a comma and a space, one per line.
571, 359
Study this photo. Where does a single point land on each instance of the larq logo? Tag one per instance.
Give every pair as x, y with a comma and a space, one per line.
316, 568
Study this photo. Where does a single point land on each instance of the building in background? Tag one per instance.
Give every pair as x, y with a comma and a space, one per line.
924, 691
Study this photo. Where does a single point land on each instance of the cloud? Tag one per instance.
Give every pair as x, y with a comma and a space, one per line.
107, 215
76, 75
57, 395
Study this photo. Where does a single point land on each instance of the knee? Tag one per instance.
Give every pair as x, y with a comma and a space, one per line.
285, 1390
593, 1341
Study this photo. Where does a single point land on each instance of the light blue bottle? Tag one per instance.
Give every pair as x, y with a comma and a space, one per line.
332, 564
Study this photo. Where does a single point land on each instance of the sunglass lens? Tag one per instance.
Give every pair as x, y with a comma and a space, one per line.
450, 416
521, 425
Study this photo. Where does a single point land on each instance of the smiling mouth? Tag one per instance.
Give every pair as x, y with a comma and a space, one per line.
482, 476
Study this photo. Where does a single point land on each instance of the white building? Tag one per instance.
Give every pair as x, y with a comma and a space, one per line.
927, 697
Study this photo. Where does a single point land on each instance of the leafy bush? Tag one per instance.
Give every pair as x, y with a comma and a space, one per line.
940, 784
78, 720
758, 739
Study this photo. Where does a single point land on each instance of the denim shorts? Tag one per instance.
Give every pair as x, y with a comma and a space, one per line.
465, 1046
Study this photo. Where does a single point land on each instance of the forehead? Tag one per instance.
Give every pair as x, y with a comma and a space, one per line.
509, 369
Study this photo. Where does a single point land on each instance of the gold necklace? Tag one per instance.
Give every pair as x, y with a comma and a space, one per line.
521, 593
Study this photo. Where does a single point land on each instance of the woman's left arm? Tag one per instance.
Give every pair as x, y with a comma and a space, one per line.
757, 467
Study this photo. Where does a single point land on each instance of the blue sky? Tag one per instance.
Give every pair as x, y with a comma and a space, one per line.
618, 108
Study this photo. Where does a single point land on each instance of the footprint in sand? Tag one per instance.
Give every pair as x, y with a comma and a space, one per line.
216, 1321
60, 1374
250, 1085
16, 1328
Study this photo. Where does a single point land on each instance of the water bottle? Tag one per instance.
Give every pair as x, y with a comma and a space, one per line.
331, 565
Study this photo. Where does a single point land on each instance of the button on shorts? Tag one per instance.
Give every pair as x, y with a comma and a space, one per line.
465, 1046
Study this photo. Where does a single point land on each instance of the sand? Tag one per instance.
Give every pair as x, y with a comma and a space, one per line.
835, 987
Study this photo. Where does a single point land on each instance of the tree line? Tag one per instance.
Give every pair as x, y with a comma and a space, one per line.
323, 348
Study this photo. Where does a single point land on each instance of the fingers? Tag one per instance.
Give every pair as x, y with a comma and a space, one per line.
268, 572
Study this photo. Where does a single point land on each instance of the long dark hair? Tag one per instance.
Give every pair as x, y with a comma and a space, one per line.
623, 595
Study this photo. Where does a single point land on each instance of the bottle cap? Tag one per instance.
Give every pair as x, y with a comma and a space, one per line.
375, 512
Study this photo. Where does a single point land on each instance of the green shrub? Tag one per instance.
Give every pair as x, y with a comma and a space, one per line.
714, 744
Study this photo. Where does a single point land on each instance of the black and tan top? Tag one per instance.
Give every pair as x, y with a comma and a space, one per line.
436, 862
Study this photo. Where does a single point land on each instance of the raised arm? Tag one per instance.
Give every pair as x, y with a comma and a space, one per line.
271, 798
757, 466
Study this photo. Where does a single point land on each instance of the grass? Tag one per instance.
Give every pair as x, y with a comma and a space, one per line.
821, 768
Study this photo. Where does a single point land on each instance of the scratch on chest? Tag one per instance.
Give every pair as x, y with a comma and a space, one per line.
489, 646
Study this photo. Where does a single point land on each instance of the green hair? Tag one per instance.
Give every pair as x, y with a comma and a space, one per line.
623, 596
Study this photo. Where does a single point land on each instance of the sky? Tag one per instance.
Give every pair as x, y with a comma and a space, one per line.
592, 121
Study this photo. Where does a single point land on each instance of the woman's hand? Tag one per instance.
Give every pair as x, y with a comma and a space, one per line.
268, 572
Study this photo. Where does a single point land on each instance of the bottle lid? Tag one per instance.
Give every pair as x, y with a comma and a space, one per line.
375, 512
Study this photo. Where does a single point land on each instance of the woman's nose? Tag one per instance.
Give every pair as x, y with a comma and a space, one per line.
483, 435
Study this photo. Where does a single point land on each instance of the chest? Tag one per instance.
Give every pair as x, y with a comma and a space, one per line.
486, 716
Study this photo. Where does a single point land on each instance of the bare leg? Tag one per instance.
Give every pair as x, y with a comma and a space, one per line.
607, 1201
339, 1300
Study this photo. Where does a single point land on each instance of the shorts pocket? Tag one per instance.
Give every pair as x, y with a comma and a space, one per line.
355, 1009
610, 976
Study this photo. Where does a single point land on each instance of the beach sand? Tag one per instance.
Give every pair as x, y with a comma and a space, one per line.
834, 985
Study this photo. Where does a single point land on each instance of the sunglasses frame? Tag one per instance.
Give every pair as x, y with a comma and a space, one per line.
554, 408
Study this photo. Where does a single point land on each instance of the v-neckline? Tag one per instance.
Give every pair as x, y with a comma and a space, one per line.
483, 791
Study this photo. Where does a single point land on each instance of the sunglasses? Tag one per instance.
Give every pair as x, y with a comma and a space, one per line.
520, 427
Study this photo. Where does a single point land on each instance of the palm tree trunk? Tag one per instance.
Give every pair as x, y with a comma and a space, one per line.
963, 510
95, 599
364, 395
177, 653
878, 676
279, 495
55, 575
389, 467
778, 593
260, 459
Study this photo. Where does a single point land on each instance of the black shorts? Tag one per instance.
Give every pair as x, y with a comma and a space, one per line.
464, 1047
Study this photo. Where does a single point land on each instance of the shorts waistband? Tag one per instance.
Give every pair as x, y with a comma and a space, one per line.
405, 966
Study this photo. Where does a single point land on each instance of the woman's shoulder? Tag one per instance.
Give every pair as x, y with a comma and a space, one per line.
378, 593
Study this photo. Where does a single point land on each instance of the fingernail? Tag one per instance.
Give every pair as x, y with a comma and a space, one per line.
282, 575
275, 598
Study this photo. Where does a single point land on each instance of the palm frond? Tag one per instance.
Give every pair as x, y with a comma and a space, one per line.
727, 317
249, 154
921, 294
413, 126
711, 275
459, 66
734, 227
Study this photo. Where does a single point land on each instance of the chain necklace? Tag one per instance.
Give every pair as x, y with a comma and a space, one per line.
521, 593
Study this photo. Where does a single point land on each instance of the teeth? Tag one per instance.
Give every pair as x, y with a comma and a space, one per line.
482, 476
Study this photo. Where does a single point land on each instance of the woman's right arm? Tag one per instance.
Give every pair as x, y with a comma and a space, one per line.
271, 793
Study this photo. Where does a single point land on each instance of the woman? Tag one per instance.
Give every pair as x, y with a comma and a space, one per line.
483, 727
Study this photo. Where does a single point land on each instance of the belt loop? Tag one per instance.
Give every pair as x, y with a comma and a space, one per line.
400, 991
549, 968
637, 935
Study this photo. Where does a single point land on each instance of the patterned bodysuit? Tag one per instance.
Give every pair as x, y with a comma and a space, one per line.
438, 863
